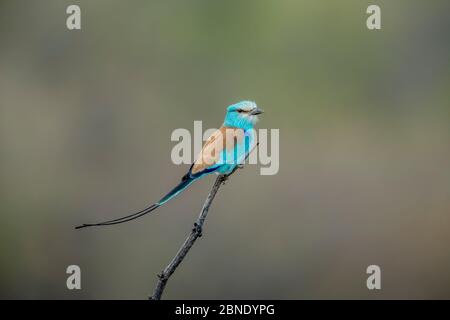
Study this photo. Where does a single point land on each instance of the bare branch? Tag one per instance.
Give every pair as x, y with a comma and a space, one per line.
189, 242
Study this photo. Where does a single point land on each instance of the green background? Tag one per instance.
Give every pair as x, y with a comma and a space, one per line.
85, 124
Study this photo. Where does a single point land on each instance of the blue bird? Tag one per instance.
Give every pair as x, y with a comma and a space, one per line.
223, 152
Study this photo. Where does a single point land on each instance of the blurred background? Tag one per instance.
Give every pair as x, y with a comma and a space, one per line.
85, 124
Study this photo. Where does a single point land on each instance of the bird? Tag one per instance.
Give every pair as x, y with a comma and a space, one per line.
222, 153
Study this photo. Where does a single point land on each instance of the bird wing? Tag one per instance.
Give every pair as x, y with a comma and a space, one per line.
223, 139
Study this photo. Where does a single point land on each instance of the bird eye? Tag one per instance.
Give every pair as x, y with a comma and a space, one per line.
240, 110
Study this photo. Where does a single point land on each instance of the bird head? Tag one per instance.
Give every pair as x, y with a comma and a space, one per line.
242, 115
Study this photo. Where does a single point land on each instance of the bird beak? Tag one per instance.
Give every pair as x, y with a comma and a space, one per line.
256, 111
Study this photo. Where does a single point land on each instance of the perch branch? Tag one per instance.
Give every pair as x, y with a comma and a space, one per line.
195, 233
189, 242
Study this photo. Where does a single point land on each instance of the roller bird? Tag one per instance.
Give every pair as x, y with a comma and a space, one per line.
222, 153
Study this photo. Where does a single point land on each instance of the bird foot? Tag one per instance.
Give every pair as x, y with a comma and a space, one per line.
225, 178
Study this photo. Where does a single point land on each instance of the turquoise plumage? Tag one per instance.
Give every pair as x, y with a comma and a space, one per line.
222, 153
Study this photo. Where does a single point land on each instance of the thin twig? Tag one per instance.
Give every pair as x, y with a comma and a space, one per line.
189, 242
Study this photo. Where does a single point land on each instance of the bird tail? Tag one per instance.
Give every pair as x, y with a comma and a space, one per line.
185, 182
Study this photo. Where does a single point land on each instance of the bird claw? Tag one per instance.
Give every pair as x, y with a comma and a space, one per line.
225, 178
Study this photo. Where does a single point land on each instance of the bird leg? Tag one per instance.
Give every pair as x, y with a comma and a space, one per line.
238, 166
227, 176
